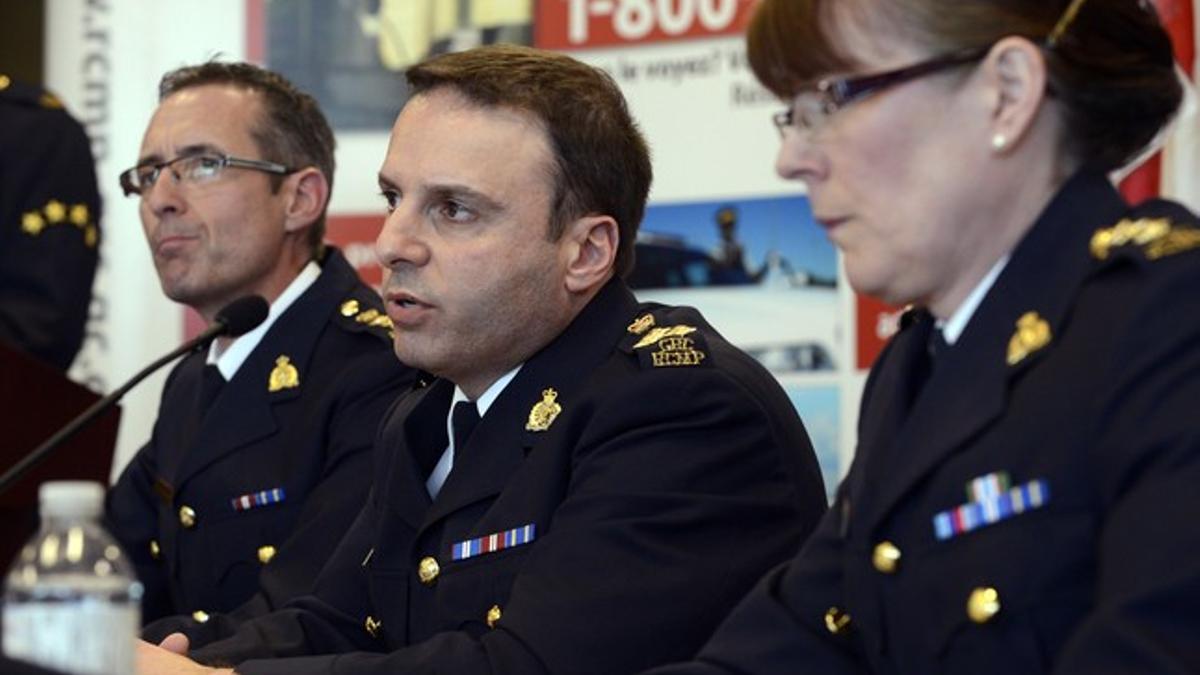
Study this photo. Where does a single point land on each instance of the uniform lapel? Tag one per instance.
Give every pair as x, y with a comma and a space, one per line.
244, 412
891, 393
970, 385
501, 442
420, 428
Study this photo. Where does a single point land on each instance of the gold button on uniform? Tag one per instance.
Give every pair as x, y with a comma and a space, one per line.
187, 517
4, 82
155, 550
493, 616
372, 626
837, 621
428, 570
885, 557
266, 553
983, 604
200, 616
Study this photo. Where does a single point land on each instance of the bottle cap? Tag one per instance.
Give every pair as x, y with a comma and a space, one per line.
71, 499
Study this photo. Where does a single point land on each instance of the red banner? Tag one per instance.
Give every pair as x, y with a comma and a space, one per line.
355, 235
875, 323
576, 24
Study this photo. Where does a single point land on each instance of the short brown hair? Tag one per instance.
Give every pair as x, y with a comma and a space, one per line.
602, 161
1113, 69
293, 132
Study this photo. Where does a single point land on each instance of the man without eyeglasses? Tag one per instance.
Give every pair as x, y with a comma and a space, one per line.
586, 484
259, 458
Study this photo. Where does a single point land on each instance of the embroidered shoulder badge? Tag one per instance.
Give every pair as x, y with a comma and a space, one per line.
674, 346
544, 412
56, 212
662, 332
283, 376
1157, 237
1032, 334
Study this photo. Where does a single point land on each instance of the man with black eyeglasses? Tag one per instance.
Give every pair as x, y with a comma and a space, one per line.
259, 458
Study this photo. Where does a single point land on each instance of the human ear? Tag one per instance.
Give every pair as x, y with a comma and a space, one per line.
590, 248
1015, 77
306, 193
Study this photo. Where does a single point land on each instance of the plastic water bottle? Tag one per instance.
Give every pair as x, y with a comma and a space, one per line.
72, 601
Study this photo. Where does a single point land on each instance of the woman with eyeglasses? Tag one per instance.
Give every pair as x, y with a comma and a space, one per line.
1024, 492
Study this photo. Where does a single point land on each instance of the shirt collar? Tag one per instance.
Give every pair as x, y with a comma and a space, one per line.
489, 396
953, 327
231, 358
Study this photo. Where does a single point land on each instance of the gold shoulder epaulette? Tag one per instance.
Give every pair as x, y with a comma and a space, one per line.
355, 314
1154, 237
27, 94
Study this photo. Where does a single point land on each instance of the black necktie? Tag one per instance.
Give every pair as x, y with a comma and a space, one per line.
463, 421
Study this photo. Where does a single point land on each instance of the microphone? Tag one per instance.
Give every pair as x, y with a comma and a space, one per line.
237, 318
233, 320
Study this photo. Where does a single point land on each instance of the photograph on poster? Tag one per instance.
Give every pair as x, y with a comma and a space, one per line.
760, 270
350, 54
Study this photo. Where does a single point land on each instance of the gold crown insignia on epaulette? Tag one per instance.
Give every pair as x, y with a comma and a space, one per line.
1156, 237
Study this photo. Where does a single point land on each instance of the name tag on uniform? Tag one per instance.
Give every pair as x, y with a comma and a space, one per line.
518, 536
991, 501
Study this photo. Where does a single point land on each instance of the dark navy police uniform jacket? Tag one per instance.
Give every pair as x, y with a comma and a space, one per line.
623, 491
255, 495
1033, 510
49, 224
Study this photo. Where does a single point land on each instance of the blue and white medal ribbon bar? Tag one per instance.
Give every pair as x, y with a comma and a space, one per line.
491, 543
257, 499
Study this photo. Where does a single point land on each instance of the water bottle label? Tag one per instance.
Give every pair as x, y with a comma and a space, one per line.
86, 638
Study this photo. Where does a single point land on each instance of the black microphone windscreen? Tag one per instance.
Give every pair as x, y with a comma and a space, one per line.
242, 315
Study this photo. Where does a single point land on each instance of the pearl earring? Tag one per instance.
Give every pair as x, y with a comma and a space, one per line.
999, 141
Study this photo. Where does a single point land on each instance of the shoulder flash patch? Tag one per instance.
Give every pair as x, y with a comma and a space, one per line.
356, 315
666, 346
1154, 237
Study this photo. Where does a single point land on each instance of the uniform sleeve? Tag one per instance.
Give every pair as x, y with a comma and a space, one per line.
1148, 469
676, 491
322, 622
49, 222
363, 394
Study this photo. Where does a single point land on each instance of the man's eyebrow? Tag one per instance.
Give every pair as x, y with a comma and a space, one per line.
447, 191
458, 190
186, 151
386, 184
